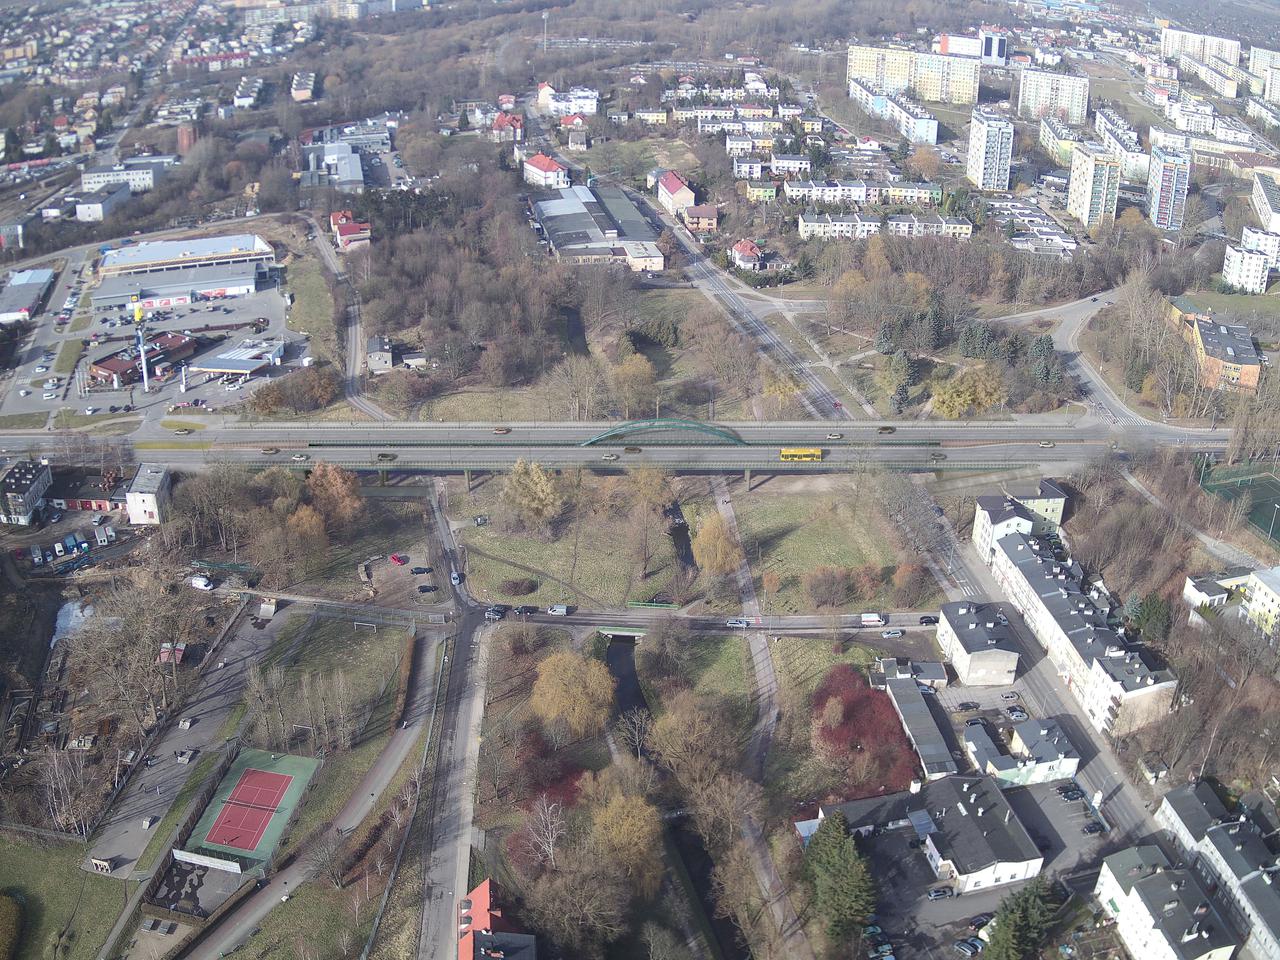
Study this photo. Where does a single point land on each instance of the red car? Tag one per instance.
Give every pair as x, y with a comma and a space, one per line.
399, 559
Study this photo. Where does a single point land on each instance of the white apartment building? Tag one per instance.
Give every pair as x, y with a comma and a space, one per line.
1261, 60
1271, 85
1122, 140
1191, 114
738, 146
990, 150
748, 168
1168, 177
1264, 112
581, 100
1035, 510
1043, 94
1058, 140
909, 118
1161, 913
930, 76
979, 647
825, 226
1215, 79
1119, 687
1094, 187
1175, 42
1227, 853
1265, 200
1246, 270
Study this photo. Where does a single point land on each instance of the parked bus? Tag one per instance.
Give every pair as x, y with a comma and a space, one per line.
800, 453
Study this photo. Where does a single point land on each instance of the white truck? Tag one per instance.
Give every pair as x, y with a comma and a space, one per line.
558, 610
873, 620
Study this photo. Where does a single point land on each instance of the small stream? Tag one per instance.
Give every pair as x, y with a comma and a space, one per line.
620, 657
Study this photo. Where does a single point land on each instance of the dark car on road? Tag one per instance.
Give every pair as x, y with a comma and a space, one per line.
928, 621
419, 571
426, 588
524, 610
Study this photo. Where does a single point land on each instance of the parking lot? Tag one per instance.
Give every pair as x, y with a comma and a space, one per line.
384, 169
222, 323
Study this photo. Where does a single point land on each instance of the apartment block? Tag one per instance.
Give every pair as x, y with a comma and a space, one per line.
1228, 854
1161, 913
990, 150
1035, 509
1094, 187
1261, 60
1226, 356
930, 76
1168, 177
929, 225
1122, 140
909, 118
1043, 94
979, 647
1175, 42
1245, 270
1058, 139
1119, 686
824, 226
1263, 111
1262, 600
1265, 200
1215, 79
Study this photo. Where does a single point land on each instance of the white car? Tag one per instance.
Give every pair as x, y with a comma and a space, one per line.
50, 395
201, 583
90, 411
24, 393
42, 369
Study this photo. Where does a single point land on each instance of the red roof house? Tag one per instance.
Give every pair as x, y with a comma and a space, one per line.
573, 120
507, 128
483, 931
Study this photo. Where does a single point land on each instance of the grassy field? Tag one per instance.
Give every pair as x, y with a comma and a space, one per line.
160, 832
58, 896
109, 424
317, 914
719, 667
791, 772
1241, 304
592, 561
386, 526
68, 357
312, 310
169, 424
798, 525
24, 421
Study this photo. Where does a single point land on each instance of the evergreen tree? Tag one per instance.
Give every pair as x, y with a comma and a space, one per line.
900, 398
1042, 347
886, 338
844, 892
903, 369
1020, 924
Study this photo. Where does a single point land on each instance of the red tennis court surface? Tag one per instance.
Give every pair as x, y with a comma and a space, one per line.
249, 808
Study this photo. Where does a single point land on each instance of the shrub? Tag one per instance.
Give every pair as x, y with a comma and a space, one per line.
828, 586
518, 588
10, 926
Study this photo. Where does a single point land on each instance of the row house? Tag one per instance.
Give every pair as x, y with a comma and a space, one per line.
826, 191
753, 110
652, 118
694, 114
826, 226
737, 145
930, 225
763, 125
712, 127
762, 191
748, 168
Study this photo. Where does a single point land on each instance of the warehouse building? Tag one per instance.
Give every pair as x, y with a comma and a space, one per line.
158, 256
599, 225
152, 290
23, 295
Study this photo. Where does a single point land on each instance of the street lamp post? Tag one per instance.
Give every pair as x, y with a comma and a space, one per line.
1271, 529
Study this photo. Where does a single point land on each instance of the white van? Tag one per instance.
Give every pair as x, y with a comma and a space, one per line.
201, 583
59, 549
558, 610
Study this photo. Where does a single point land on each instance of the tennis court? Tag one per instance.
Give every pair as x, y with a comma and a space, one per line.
1262, 488
249, 810
245, 814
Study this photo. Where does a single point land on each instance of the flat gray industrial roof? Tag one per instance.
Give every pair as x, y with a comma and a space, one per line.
173, 282
149, 478
922, 729
154, 251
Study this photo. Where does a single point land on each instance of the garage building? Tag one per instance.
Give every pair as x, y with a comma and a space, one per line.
245, 358
174, 287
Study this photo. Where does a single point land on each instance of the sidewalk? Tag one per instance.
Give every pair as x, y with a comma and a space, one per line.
1224, 551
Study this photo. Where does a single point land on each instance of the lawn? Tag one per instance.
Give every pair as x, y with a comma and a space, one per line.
57, 896
106, 424
790, 527
169, 424
24, 421
160, 835
792, 774
386, 526
719, 667
317, 913
591, 562
313, 307
68, 357
1240, 304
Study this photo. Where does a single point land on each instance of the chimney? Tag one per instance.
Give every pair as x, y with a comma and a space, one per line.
914, 787
1170, 906
981, 811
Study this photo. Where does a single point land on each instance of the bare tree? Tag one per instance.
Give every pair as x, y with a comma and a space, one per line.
545, 828
633, 728
326, 856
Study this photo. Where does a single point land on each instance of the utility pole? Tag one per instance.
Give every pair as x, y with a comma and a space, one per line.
545, 15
